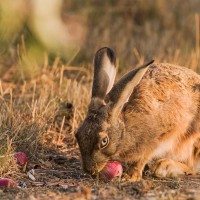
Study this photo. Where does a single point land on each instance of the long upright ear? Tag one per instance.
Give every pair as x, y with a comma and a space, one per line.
104, 73
122, 90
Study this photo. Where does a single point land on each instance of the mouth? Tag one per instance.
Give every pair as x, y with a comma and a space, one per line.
98, 168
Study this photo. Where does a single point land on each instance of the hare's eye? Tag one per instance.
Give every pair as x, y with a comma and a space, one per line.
104, 142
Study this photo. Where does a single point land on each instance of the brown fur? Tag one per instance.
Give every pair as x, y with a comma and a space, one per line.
160, 122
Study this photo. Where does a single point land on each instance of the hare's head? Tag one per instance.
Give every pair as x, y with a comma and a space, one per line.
99, 136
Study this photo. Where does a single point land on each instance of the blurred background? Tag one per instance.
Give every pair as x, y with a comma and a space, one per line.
34, 32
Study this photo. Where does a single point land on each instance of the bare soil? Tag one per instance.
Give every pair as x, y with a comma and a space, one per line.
60, 176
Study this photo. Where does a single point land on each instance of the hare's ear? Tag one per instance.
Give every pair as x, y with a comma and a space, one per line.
104, 73
122, 90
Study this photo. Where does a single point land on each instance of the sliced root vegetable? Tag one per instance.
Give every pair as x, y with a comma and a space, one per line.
111, 170
6, 182
21, 159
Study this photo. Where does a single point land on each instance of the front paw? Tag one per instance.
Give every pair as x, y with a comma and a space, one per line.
134, 177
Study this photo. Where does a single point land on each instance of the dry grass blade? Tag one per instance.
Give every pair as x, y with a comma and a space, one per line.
32, 111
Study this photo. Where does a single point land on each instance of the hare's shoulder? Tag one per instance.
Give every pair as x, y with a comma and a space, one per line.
163, 85
167, 72
166, 80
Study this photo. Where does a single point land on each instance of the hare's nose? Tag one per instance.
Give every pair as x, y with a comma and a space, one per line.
88, 170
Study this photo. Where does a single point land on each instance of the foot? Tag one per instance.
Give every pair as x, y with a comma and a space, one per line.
170, 168
132, 176
136, 176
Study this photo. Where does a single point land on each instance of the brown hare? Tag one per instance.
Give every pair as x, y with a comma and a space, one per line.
151, 114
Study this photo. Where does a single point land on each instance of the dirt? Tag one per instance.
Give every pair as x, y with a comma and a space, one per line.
60, 176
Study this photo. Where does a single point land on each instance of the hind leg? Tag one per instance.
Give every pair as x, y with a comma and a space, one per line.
170, 168
196, 154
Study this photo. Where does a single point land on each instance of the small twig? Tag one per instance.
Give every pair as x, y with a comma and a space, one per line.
12, 154
97, 180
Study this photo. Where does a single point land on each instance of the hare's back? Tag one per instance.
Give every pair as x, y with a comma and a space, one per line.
165, 83
167, 97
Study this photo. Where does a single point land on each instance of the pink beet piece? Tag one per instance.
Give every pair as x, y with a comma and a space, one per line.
112, 170
6, 182
21, 158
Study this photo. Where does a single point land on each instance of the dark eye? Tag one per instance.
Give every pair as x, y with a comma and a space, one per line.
104, 142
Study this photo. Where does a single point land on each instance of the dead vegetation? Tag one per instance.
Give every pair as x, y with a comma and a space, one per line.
40, 112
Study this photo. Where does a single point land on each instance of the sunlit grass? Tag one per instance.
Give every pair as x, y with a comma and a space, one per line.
41, 112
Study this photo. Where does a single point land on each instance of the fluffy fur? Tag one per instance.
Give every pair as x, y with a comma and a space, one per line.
151, 114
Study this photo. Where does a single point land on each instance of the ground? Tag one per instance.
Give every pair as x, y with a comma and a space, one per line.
59, 176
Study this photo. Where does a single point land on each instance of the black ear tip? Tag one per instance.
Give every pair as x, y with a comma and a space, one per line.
110, 53
152, 61
148, 63
111, 56
104, 49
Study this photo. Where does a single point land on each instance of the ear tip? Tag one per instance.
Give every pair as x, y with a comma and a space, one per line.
104, 49
150, 62
109, 52
145, 65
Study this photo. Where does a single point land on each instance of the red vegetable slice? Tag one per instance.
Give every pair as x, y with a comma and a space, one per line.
111, 170
6, 182
21, 158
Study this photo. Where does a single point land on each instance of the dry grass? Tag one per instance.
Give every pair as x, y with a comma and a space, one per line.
41, 112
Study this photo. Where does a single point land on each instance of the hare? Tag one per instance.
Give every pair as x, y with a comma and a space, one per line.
151, 114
